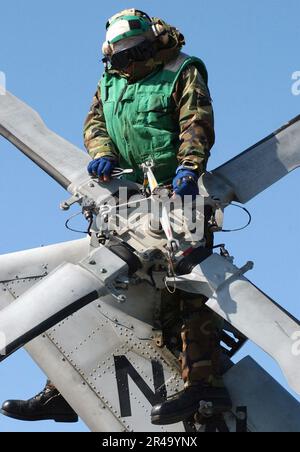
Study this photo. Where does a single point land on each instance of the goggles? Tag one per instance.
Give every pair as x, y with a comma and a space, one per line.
123, 57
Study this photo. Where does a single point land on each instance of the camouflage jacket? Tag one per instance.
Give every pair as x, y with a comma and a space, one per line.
192, 111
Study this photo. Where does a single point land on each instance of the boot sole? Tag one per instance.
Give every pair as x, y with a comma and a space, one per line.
57, 418
175, 419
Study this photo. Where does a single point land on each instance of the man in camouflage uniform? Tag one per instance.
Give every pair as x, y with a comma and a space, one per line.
145, 101
190, 107
153, 102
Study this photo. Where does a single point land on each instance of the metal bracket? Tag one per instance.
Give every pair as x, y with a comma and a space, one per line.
159, 339
105, 265
65, 205
218, 222
118, 296
108, 268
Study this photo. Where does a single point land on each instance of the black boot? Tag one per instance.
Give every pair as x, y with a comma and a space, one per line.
48, 404
185, 404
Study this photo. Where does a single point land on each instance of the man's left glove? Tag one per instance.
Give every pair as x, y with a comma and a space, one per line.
102, 167
185, 182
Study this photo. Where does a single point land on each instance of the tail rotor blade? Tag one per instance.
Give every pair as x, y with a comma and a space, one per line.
24, 128
249, 310
263, 164
65, 291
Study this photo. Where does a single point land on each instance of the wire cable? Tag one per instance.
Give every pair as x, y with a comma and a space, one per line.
75, 230
244, 227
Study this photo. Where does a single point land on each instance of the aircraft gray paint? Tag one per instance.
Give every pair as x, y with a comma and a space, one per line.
92, 334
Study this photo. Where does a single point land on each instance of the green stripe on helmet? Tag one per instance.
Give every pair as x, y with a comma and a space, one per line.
145, 26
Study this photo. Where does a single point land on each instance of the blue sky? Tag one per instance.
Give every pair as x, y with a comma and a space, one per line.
50, 52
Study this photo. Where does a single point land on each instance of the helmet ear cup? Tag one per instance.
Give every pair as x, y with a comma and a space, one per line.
161, 32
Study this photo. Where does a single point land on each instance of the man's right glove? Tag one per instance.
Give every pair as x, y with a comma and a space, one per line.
102, 167
185, 182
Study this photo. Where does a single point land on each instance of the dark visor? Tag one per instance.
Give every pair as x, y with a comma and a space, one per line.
141, 52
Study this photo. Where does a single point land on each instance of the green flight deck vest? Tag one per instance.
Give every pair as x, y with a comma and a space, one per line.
140, 118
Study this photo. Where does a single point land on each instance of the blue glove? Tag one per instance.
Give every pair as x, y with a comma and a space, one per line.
102, 167
186, 182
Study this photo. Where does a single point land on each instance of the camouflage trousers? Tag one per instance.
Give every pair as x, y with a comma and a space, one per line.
192, 327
